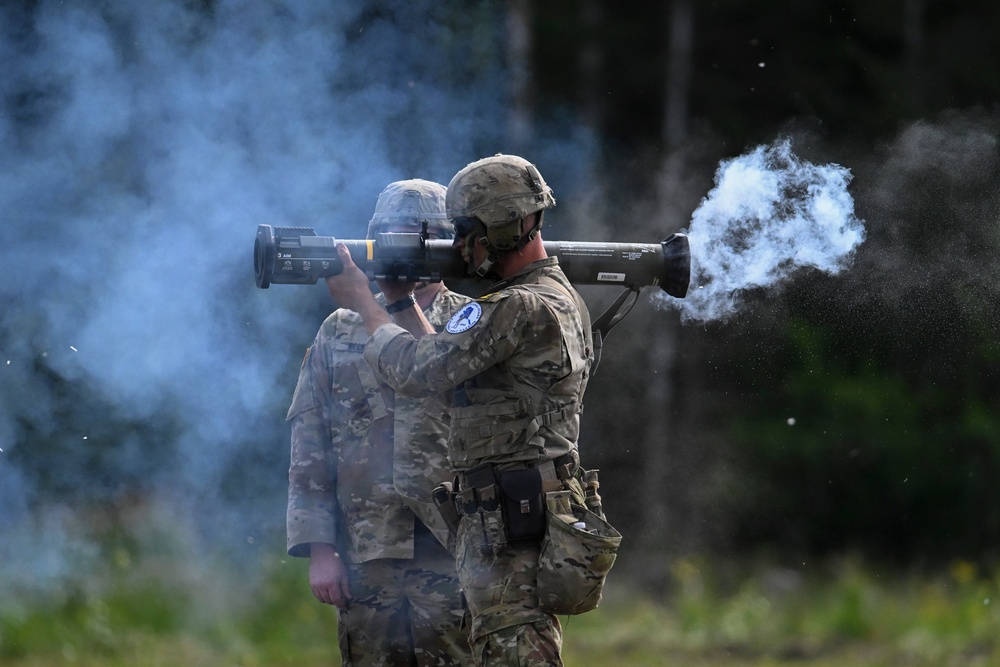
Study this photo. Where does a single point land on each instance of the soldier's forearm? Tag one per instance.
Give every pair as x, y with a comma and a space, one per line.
373, 315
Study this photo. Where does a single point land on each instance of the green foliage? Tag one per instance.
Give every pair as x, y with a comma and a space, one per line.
840, 614
850, 452
155, 603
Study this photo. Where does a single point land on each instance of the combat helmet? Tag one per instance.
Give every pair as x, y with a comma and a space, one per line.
495, 195
410, 204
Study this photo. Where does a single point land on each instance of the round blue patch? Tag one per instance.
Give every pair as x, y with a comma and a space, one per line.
464, 319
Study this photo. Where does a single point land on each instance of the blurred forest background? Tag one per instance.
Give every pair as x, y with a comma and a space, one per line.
857, 413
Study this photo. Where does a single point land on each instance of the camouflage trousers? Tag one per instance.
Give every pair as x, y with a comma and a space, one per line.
508, 628
405, 612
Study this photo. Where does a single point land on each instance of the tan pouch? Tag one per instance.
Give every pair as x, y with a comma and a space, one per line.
576, 555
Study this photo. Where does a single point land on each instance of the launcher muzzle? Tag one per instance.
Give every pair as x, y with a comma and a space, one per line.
298, 256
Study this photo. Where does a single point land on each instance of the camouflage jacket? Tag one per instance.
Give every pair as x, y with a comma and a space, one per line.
518, 360
363, 461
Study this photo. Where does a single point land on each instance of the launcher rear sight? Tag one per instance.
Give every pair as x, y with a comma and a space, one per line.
298, 256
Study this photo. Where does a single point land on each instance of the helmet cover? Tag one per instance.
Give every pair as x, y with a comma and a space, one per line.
499, 191
411, 203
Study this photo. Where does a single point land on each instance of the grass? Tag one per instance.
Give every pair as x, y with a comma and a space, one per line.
848, 617
138, 607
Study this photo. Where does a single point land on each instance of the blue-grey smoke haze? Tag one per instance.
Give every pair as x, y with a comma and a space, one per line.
141, 144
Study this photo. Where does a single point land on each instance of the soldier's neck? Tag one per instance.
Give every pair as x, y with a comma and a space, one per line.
510, 264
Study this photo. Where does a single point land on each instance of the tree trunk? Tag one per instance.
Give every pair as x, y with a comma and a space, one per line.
914, 12
588, 210
678, 75
519, 48
591, 64
667, 496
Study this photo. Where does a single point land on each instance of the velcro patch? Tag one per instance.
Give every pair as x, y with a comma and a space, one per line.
464, 319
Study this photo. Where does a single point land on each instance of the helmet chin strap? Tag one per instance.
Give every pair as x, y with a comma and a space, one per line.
491, 258
530, 236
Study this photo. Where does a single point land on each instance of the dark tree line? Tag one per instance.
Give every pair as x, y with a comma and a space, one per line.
832, 414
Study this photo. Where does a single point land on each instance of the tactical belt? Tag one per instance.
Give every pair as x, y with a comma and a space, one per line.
477, 488
507, 504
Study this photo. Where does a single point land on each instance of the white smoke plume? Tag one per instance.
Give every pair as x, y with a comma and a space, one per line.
769, 214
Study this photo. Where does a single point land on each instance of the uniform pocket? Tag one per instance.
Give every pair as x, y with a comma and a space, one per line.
577, 553
496, 429
357, 397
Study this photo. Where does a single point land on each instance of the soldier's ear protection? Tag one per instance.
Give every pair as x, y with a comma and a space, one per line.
498, 237
513, 235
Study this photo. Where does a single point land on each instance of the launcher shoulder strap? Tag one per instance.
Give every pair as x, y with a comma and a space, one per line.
608, 319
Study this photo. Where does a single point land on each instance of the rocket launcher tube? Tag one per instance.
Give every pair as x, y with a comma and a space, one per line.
298, 256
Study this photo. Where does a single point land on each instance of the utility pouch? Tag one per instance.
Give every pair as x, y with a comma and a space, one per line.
444, 500
523, 506
592, 499
481, 483
576, 555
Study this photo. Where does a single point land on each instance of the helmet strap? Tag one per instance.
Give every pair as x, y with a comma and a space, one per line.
491, 258
530, 236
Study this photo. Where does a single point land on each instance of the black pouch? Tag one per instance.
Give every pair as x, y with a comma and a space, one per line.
523, 505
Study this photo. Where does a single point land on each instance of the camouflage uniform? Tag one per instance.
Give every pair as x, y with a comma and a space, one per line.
363, 464
519, 361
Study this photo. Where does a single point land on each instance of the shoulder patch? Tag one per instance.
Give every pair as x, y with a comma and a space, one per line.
465, 318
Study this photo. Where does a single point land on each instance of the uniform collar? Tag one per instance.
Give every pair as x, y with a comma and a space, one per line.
534, 266
524, 275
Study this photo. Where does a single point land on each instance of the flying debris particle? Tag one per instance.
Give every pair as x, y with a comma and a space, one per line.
84, 437
250, 539
73, 348
760, 65
791, 421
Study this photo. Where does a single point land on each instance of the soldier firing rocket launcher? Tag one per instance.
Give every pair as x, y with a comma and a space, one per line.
298, 256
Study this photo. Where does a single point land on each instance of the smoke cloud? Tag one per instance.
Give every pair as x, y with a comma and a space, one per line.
769, 214
141, 145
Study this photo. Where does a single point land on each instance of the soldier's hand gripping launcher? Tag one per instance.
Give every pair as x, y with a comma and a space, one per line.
298, 256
